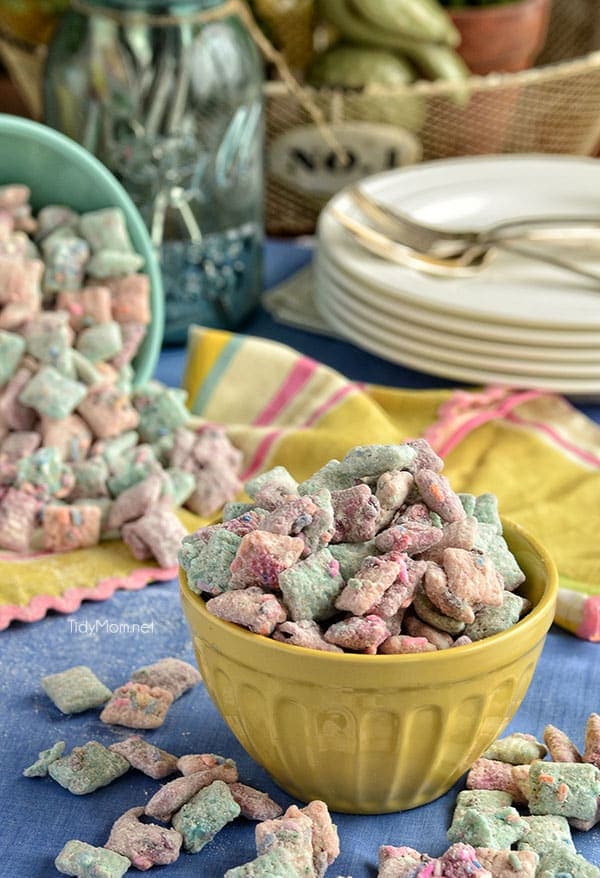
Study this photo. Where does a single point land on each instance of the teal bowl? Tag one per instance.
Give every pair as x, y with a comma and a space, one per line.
59, 171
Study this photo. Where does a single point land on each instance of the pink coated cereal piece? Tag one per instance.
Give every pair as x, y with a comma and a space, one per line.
132, 335
85, 307
413, 537
71, 436
159, 532
437, 590
426, 458
560, 747
306, 633
508, 864
375, 575
490, 774
459, 861
146, 757
415, 512
356, 514
20, 280
400, 862
325, 840
261, 557
246, 522
18, 512
130, 298
416, 628
463, 640
403, 644
18, 444
17, 415
145, 844
17, 245
294, 834
455, 535
591, 752
250, 607
254, 805
358, 633
469, 579
173, 795
137, 706
14, 195
401, 592
435, 490
133, 502
192, 763
67, 528
270, 489
215, 464
16, 314
392, 490
291, 517
108, 412
7, 224
172, 674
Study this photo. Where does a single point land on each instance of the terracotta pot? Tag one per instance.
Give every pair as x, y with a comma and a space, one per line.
503, 38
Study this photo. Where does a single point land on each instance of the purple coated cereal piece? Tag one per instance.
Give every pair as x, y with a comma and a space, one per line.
250, 607
489, 774
157, 534
294, 834
18, 512
425, 458
472, 577
172, 674
374, 577
412, 537
82, 860
391, 491
133, 502
415, 512
291, 517
17, 415
71, 436
416, 628
403, 644
591, 752
358, 633
455, 535
146, 757
254, 805
560, 747
306, 633
137, 706
246, 522
261, 557
145, 844
508, 864
435, 490
356, 514
87, 768
19, 444
401, 592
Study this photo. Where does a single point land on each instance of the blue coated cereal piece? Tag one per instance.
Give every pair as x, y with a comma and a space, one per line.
468, 503
66, 258
48, 336
546, 832
180, 485
134, 466
87, 768
558, 862
499, 828
44, 473
161, 415
494, 545
45, 758
274, 485
113, 263
331, 476
82, 860
319, 532
351, 555
234, 509
205, 815
371, 461
90, 478
12, 347
276, 863
75, 690
563, 788
486, 511
516, 749
310, 587
101, 342
113, 449
106, 229
492, 620
207, 564
52, 394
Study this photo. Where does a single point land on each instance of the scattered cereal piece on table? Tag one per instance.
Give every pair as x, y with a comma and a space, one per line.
75, 690
276, 863
82, 860
137, 706
400, 862
87, 768
254, 805
518, 749
204, 815
146, 757
560, 747
293, 834
545, 832
174, 794
559, 862
508, 864
566, 789
144, 844
490, 774
18, 514
325, 840
45, 758
172, 674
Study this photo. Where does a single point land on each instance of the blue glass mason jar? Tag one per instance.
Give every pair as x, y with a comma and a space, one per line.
169, 96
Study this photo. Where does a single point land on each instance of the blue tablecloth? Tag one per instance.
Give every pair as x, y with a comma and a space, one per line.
38, 816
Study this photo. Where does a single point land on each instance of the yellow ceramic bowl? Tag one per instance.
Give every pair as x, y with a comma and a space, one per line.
372, 734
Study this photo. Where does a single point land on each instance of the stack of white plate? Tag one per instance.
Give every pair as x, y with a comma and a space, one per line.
517, 321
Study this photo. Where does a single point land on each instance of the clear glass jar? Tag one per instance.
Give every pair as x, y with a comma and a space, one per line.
169, 96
